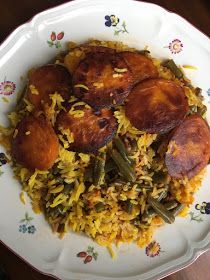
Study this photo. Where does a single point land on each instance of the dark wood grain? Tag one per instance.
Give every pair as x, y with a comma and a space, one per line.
12, 14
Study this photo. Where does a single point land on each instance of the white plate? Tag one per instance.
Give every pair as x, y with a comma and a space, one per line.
141, 24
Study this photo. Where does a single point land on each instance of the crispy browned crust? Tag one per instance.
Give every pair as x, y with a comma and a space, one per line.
189, 148
87, 48
142, 67
105, 87
47, 80
90, 132
156, 105
39, 149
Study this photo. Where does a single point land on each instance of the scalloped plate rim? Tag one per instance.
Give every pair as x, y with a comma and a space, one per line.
30, 25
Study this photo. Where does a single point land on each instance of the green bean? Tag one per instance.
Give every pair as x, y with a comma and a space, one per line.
99, 207
141, 186
68, 188
121, 149
148, 214
98, 172
170, 64
88, 176
60, 180
61, 228
123, 166
162, 195
19, 100
178, 209
193, 109
55, 170
198, 93
170, 205
167, 216
202, 110
128, 206
134, 145
119, 182
160, 177
136, 222
110, 165
144, 52
60, 209
151, 212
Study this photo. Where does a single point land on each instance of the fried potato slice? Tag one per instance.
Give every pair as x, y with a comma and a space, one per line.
102, 80
73, 58
156, 105
142, 67
87, 48
91, 130
35, 144
189, 148
47, 80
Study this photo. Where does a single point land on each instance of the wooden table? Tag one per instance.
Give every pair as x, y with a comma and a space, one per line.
15, 13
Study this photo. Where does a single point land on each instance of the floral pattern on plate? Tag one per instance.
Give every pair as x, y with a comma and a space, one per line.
88, 255
55, 40
3, 161
203, 208
208, 94
114, 21
7, 87
26, 225
175, 46
153, 249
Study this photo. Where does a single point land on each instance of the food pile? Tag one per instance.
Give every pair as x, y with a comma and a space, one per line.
109, 141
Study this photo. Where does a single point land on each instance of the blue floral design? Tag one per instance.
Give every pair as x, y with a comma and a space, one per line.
26, 225
31, 229
113, 21
3, 159
203, 208
208, 93
22, 228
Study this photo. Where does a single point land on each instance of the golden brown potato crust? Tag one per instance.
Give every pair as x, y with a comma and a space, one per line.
156, 105
189, 148
107, 78
47, 80
36, 144
142, 67
91, 131
72, 59
87, 48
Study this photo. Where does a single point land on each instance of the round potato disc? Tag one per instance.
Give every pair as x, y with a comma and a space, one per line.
91, 130
141, 67
156, 105
189, 148
47, 80
102, 80
35, 144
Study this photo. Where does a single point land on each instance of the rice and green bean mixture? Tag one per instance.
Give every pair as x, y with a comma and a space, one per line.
121, 193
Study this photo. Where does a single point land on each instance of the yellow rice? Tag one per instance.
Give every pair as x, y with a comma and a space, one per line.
112, 225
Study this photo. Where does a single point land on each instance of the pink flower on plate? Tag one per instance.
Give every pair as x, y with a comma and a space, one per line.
7, 87
153, 249
175, 46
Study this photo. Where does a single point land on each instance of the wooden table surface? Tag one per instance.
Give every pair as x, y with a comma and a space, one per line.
12, 14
